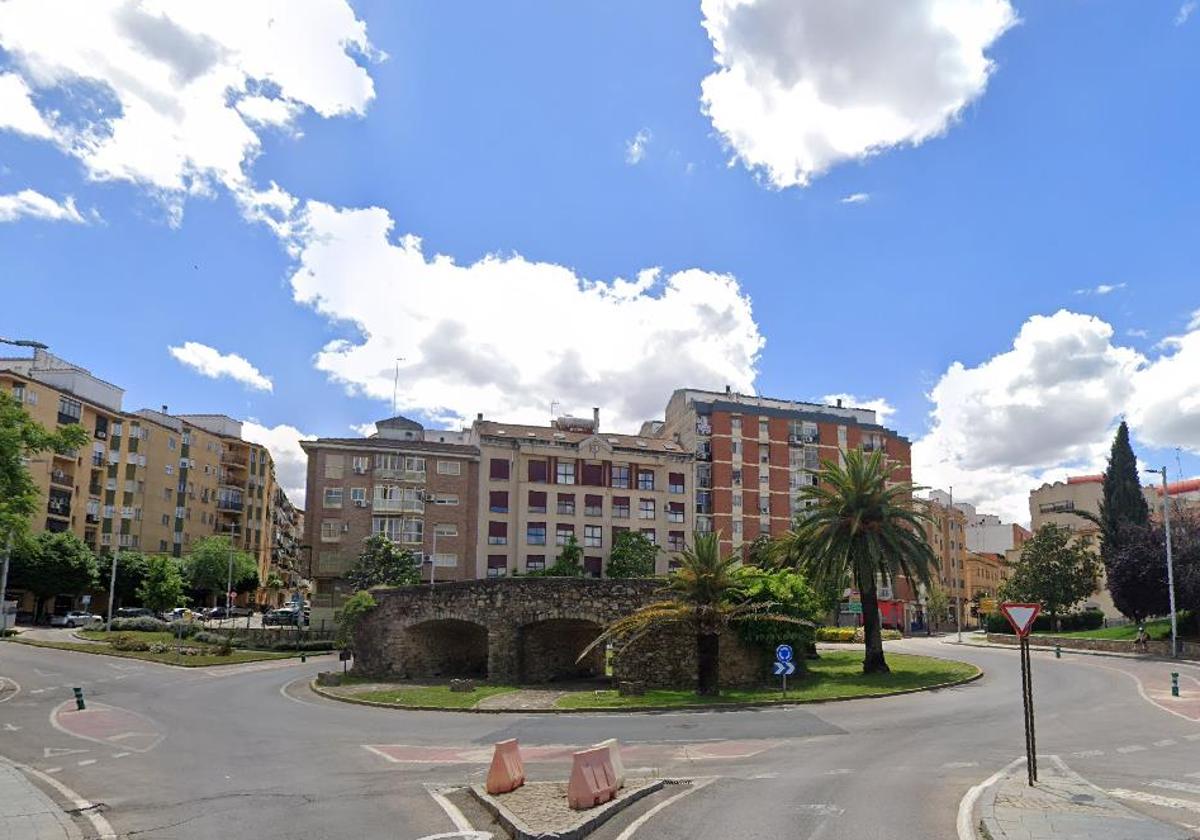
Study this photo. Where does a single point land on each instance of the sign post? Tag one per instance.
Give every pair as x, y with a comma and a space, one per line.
1021, 617
784, 666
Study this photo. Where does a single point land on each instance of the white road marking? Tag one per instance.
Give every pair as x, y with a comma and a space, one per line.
1166, 742
42, 673
1195, 736
120, 755
1154, 799
53, 770
122, 736
966, 806
632, 828
283, 689
1132, 748
1168, 784
50, 751
955, 765
104, 831
841, 771
825, 809
16, 689
461, 823
36, 690
1088, 754
86, 762
8, 727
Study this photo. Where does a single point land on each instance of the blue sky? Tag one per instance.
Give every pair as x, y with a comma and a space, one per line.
986, 220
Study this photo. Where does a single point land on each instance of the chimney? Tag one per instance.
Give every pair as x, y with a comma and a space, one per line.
595, 418
728, 390
164, 411
839, 402
479, 417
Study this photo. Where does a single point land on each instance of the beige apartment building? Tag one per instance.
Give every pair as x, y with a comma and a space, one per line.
541, 485
419, 487
945, 530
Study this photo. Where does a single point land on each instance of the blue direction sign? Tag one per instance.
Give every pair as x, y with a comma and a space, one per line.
785, 669
784, 653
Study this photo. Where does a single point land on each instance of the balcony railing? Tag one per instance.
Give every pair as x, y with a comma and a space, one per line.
229, 505
703, 453
59, 507
400, 475
800, 440
233, 461
62, 479
871, 447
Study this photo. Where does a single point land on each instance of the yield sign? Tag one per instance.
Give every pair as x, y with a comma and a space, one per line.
1021, 616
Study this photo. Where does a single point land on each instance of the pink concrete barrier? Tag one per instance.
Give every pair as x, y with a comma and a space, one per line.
507, 772
614, 754
593, 780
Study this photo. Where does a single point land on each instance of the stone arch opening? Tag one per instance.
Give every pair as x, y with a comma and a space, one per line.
547, 650
446, 647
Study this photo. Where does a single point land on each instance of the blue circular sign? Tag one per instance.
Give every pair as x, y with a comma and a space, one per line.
784, 653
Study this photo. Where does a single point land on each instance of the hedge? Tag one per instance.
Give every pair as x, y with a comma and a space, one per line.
850, 634
1071, 622
144, 623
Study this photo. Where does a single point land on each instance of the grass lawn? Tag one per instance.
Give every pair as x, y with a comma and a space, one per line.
1159, 628
150, 637
434, 695
170, 658
836, 675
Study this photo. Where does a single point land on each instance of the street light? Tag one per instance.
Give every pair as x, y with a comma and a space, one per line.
1170, 563
430, 499
24, 342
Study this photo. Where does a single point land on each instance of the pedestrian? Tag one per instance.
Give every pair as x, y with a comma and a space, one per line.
1141, 641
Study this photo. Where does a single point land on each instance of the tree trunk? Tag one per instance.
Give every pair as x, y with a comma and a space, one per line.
708, 664
873, 662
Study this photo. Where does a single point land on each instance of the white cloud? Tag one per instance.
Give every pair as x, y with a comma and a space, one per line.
802, 85
1102, 289
507, 336
856, 198
635, 148
291, 464
214, 364
31, 204
1194, 323
882, 408
1185, 12
172, 95
364, 429
1132, 333
17, 111
1046, 408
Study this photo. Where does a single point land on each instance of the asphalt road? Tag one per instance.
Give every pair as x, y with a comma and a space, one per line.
248, 751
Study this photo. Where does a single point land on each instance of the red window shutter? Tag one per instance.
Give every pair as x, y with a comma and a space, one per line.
675, 507
537, 498
593, 475
537, 471
497, 529
675, 478
593, 501
621, 500
497, 561
498, 499
498, 469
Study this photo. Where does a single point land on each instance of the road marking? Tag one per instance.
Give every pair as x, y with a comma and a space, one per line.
632, 828
47, 752
1195, 736
841, 771
283, 689
120, 755
956, 765
36, 690
825, 809
1132, 748
1154, 799
966, 806
1166, 742
1168, 784
1088, 754
8, 727
86, 762
5, 696
42, 673
461, 823
104, 831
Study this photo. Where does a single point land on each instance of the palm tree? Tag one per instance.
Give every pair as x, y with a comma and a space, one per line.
707, 593
862, 527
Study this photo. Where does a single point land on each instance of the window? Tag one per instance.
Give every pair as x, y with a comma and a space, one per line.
703, 501
166, 519
620, 477
390, 497
593, 505
358, 495
563, 533
446, 530
535, 533
737, 500
333, 497
537, 501
704, 475
737, 447
566, 504
737, 527
335, 465
412, 530
620, 507
387, 525
617, 531
171, 443
448, 561
537, 471
331, 530
450, 499
645, 479
735, 426
675, 482
170, 468
764, 477
764, 454
498, 469
498, 501
593, 567
69, 411
593, 536
449, 467
393, 463
764, 428
736, 478
497, 533
414, 464
675, 540
564, 472
675, 511
535, 562
650, 534
497, 565
645, 508
359, 464
593, 475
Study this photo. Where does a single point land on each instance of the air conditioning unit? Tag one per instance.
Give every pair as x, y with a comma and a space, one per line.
360, 503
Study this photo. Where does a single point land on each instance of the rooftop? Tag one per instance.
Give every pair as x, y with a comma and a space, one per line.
554, 435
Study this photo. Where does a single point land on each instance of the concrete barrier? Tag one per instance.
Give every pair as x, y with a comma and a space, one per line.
593, 780
507, 772
614, 755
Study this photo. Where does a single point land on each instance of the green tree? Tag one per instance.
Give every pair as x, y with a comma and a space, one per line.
53, 564
864, 527
161, 587
937, 604
707, 593
569, 562
758, 552
131, 570
1055, 571
206, 567
782, 592
1123, 503
383, 563
352, 611
20, 438
632, 556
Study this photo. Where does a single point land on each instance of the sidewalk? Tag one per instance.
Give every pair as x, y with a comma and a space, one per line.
1063, 806
28, 814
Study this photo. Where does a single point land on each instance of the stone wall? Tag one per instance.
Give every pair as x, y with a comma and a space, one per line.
548, 650
667, 659
1187, 650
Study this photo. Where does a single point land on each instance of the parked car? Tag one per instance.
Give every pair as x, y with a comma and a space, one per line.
288, 616
234, 612
134, 612
75, 618
178, 614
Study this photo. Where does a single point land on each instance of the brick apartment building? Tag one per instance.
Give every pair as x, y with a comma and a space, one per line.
541, 485
419, 487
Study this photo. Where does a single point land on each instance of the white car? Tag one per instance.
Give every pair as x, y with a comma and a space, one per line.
75, 618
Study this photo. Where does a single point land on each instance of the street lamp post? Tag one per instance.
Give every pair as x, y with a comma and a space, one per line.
4, 587
112, 579
1170, 562
229, 583
958, 573
431, 499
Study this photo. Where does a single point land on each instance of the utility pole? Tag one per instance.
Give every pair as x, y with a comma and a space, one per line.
958, 571
229, 584
4, 587
1170, 562
112, 579
431, 499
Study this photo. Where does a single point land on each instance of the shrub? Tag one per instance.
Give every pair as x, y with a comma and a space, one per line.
851, 634
142, 623
160, 647
183, 629
207, 637
305, 645
1071, 622
126, 641
225, 648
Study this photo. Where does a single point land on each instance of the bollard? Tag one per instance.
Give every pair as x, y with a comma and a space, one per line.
507, 771
303, 658
1057, 652
593, 780
1174, 683
79, 705
614, 756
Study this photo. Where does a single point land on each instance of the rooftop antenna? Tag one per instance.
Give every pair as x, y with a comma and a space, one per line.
396, 385
1178, 464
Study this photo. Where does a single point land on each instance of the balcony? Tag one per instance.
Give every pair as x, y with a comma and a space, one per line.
871, 447
704, 508
61, 478
65, 419
229, 505
59, 507
98, 459
703, 453
414, 476
233, 461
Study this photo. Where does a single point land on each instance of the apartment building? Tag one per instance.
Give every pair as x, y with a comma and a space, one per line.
417, 486
988, 534
945, 531
287, 532
542, 485
985, 572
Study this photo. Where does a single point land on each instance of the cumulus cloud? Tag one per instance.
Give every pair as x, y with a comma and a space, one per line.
210, 362
1046, 408
31, 204
173, 95
635, 147
882, 408
291, 464
856, 198
802, 85
507, 336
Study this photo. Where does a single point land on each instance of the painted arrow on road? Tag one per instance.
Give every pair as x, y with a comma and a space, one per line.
785, 669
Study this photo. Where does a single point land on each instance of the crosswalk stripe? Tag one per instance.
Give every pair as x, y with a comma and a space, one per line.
1154, 799
1167, 784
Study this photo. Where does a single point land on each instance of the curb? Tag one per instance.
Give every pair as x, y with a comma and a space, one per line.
53, 646
578, 831
1108, 654
721, 707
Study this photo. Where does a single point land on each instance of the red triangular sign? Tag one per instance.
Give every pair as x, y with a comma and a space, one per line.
1021, 616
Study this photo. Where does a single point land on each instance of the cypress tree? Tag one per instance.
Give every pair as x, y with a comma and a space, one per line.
1123, 504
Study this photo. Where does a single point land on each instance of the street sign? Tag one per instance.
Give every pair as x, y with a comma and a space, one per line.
345, 656
1021, 616
855, 607
988, 606
785, 669
87, 601
784, 653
